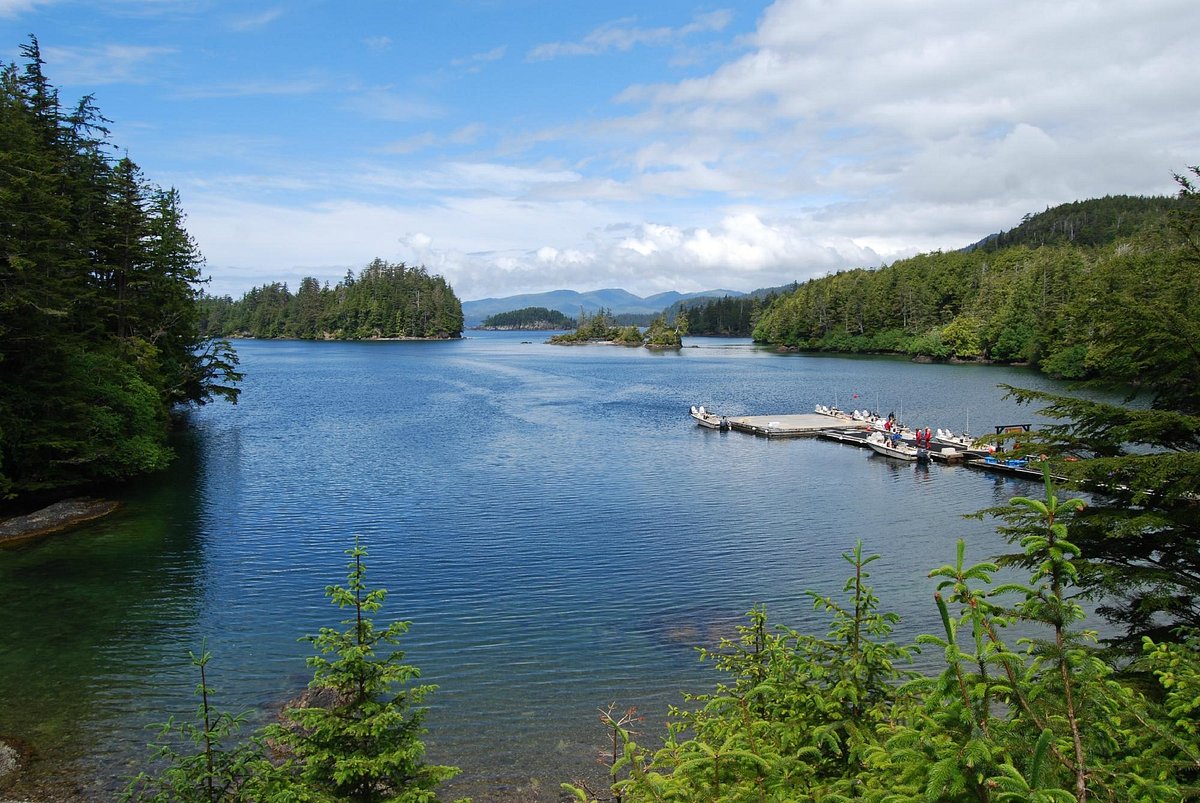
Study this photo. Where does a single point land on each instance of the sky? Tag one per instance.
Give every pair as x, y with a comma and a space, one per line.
515, 146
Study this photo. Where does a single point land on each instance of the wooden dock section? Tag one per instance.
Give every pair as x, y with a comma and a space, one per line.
792, 425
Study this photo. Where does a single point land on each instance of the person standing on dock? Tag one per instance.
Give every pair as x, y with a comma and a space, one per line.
928, 437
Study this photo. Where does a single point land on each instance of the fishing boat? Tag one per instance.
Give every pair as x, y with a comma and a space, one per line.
706, 418
945, 437
895, 448
962, 440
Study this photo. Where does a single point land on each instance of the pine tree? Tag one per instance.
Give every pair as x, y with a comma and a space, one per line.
366, 746
98, 319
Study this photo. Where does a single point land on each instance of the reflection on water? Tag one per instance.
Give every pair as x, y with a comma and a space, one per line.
560, 533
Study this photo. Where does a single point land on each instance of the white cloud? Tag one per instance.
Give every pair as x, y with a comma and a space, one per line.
104, 64
992, 105
475, 59
378, 44
250, 22
386, 103
842, 134
14, 8
254, 87
482, 245
623, 35
465, 135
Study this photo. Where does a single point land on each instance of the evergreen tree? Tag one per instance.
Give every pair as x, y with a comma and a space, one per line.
98, 318
366, 746
1142, 536
212, 766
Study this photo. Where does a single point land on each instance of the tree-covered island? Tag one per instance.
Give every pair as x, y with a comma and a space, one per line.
600, 328
528, 318
384, 301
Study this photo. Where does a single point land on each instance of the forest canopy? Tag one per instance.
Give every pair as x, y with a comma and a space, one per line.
98, 317
384, 300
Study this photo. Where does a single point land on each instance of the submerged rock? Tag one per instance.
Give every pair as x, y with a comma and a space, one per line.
58, 516
10, 762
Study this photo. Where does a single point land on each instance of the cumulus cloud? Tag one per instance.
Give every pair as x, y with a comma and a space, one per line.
838, 135
483, 246
972, 112
742, 249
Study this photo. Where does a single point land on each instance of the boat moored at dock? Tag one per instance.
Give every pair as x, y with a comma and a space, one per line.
962, 440
708, 419
892, 446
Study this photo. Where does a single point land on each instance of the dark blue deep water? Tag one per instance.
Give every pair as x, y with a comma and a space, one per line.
559, 532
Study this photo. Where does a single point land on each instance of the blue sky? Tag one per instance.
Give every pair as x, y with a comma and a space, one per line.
518, 146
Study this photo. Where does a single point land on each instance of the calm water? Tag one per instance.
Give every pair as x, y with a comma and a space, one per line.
557, 529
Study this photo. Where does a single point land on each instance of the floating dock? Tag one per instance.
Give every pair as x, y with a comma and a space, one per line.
800, 425
792, 425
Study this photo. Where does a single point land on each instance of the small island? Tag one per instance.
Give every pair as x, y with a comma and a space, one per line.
528, 319
599, 328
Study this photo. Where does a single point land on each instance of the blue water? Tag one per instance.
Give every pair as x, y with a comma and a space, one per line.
559, 532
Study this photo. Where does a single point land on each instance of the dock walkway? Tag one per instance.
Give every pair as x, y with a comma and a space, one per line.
792, 425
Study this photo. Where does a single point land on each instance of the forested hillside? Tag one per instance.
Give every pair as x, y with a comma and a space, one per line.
98, 317
1091, 223
383, 301
1041, 304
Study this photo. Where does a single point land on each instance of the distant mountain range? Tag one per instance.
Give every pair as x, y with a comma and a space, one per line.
568, 302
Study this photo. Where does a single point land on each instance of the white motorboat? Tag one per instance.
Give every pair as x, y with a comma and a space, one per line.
706, 418
832, 412
895, 448
961, 441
